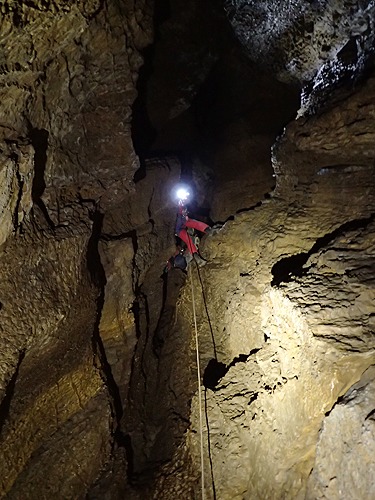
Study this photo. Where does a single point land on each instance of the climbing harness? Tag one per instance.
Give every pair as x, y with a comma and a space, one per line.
199, 382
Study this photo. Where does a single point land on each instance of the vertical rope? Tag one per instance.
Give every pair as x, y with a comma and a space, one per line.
208, 316
199, 383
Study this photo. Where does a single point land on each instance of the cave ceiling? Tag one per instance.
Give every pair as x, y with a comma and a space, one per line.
297, 38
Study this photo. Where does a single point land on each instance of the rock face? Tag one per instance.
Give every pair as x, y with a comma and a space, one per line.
346, 443
98, 375
68, 76
291, 300
55, 410
300, 36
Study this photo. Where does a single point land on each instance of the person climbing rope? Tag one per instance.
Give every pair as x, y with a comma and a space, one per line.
183, 222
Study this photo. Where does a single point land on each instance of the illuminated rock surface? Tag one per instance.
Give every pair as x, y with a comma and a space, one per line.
104, 104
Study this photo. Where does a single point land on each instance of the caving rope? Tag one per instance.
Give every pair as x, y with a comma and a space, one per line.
199, 383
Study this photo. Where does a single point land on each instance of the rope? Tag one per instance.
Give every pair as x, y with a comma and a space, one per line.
199, 383
207, 314
205, 390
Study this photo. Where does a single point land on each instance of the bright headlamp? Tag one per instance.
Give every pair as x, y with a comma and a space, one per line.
182, 192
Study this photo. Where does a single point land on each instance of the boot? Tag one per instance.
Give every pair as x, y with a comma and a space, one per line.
188, 257
214, 229
199, 260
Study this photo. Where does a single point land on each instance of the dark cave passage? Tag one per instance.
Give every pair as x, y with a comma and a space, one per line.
228, 120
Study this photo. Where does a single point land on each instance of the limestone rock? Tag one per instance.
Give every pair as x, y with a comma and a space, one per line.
48, 379
299, 37
117, 327
68, 80
16, 177
292, 342
344, 464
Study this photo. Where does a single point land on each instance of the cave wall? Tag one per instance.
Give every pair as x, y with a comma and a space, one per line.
55, 392
68, 80
290, 295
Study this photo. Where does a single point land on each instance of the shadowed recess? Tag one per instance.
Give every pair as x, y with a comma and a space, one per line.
285, 269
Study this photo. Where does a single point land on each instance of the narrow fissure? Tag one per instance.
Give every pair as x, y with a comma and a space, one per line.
19, 198
7, 399
216, 370
98, 277
39, 141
